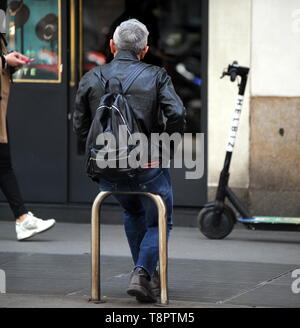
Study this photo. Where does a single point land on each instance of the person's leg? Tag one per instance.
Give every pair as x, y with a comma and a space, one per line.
141, 226
9, 184
134, 224
144, 282
27, 225
149, 248
133, 216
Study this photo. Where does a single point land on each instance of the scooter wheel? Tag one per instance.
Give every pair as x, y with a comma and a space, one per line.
213, 227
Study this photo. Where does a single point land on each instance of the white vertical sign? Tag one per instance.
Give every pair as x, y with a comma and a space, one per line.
235, 124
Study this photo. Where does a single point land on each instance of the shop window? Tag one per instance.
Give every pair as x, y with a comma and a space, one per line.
33, 28
175, 41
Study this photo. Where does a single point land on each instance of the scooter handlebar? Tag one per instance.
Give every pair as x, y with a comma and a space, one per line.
235, 70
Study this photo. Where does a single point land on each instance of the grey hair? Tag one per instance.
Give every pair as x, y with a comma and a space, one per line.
131, 35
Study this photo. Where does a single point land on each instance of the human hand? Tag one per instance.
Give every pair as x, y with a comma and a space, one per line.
16, 59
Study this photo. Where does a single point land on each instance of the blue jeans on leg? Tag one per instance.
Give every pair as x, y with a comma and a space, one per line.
140, 212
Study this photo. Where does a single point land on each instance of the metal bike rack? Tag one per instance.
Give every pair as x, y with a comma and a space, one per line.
163, 251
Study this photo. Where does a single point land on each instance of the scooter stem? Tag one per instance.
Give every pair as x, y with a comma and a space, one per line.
233, 71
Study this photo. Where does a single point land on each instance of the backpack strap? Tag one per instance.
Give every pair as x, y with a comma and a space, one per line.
133, 76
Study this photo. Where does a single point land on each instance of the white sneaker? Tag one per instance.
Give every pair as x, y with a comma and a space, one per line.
32, 226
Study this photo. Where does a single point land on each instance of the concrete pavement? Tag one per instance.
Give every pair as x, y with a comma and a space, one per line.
247, 269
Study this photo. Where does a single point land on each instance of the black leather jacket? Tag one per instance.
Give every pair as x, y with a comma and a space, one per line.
152, 97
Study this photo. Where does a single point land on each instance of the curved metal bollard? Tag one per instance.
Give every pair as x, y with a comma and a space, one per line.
163, 251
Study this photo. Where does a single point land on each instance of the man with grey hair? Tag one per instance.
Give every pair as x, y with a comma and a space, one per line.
131, 35
157, 108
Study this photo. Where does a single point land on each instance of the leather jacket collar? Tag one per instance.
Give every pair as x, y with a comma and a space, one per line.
125, 55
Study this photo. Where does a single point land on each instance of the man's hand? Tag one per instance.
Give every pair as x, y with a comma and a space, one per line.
16, 59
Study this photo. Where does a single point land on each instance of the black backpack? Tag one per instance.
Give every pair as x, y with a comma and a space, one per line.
113, 116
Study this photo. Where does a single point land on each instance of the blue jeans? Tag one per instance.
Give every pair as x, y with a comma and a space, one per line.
140, 212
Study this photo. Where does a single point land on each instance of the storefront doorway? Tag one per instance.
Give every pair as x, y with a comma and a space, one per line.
68, 38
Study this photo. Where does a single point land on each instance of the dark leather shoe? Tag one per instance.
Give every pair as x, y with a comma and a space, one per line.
155, 283
140, 287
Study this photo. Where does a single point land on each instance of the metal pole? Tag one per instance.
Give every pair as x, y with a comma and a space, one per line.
95, 252
163, 247
163, 250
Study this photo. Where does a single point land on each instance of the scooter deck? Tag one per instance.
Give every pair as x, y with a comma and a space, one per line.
270, 220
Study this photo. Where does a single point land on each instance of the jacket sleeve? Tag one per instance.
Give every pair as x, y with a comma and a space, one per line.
171, 105
82, 116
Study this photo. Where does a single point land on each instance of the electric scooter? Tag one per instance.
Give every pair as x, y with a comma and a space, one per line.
216, 220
